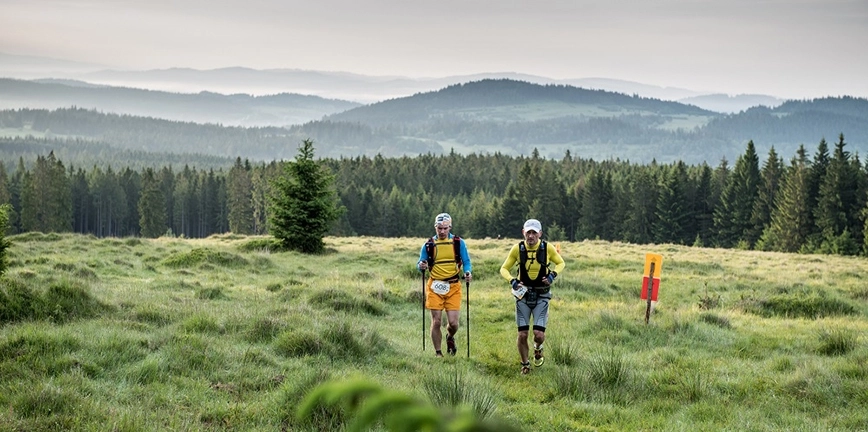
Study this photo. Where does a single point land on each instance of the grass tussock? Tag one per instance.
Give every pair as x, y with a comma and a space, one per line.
604, 378
837, 342
337, 340
345, 302
450, 388
799, 305
64, 300
715, 320
199, 256
211, 293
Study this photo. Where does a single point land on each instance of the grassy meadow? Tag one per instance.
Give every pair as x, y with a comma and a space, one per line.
222, 334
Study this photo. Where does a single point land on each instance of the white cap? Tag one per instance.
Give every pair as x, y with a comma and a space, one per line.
532, 225
443, 219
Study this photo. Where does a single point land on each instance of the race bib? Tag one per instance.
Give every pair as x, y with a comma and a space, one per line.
519, 292
440, 287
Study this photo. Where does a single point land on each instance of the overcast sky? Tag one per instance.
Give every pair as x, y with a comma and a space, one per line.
785, 48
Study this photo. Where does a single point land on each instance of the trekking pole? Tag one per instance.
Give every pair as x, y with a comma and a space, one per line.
467, 284
423, 310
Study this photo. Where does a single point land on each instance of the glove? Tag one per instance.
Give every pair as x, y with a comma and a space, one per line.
514, 283
551, 277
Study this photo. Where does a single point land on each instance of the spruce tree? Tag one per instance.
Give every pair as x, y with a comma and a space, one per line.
703, 206
239, 193
770, 178
836, 212
790, 223
732, 217
152, 206
595, 221
304, 204
4, 242
673, 214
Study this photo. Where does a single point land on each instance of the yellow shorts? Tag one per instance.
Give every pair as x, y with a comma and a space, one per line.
450, 301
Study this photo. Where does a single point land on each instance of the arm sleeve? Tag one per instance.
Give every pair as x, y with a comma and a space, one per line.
465, 257
423, 256
555, 258
510, 261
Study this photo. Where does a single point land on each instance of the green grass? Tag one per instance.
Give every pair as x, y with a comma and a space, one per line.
228, 333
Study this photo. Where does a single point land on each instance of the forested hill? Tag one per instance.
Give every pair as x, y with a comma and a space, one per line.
234, 110
484, 117
511, 100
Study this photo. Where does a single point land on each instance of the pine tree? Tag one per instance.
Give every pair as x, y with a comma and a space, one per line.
732, 217
240, 195
152, 206
595, 220
46, 197
304, 204
770, 178
790, 223
837, 207
672, 212
642, 196
4, 242
703, 206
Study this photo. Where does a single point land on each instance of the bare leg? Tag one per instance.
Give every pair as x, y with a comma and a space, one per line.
522, 345
539, 337
436, 335
452, 318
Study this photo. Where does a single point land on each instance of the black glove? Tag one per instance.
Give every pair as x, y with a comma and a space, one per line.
551, 277
514, 283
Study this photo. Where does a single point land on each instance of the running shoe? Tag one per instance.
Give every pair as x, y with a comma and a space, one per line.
450, 345
538, 358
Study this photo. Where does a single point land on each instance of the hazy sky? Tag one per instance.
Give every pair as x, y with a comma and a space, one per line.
785, 48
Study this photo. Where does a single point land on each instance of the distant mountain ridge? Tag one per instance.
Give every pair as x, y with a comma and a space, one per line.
488, 116
359, 88
205, 107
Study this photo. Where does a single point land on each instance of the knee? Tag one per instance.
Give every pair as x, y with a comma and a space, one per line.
435, 322
522, 334
539, 334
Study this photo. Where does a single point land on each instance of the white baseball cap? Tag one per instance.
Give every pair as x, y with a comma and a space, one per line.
443, 219
532, 225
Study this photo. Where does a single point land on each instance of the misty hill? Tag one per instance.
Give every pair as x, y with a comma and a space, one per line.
489, 116
233, 110
329, 85
508, 101
731, 104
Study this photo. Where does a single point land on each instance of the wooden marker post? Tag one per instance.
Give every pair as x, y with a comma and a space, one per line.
651, 281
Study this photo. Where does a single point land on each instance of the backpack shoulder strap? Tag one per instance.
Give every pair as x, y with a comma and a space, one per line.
429, 250
456, 248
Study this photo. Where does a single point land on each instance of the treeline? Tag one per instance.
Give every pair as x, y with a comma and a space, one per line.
807, 204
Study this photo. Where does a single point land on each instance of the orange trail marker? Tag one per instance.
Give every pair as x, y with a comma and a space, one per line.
651, 281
